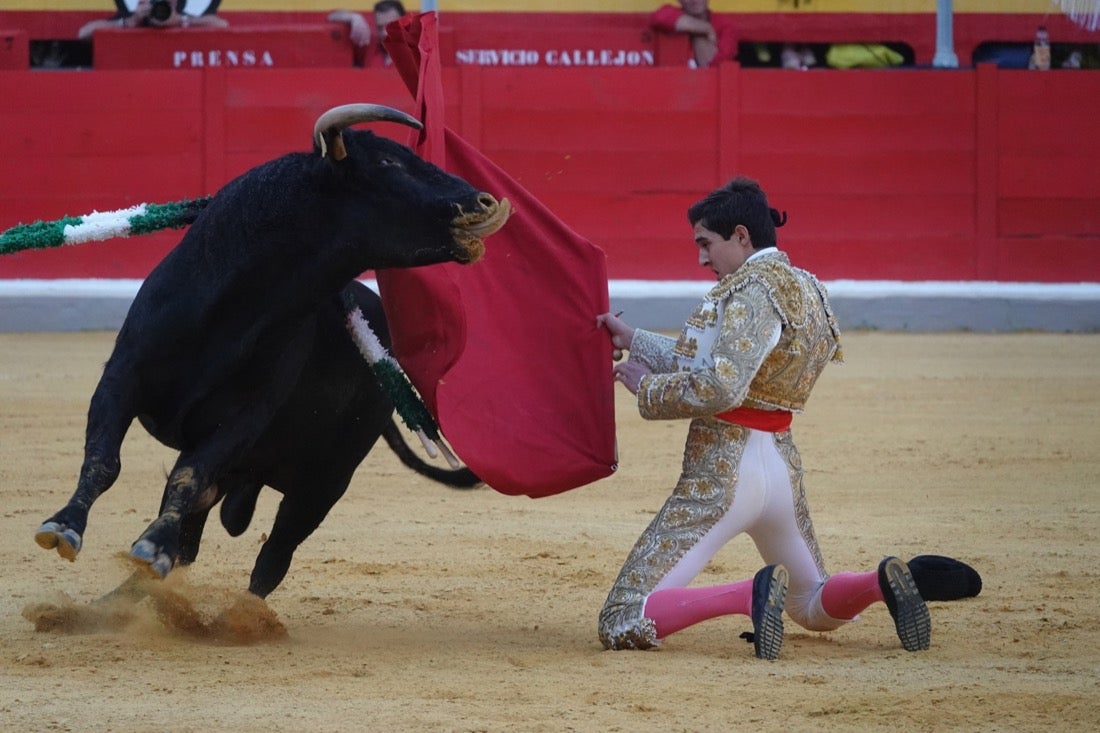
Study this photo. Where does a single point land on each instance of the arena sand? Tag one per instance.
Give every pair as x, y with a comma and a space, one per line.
418, 608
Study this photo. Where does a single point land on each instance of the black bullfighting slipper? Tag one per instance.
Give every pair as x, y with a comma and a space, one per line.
769, 593
940, 578
899, 590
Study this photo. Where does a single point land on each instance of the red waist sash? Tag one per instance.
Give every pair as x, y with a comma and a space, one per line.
771, 421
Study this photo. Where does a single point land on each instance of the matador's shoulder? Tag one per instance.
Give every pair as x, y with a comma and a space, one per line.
784, 284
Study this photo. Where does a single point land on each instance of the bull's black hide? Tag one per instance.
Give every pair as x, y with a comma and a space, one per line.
311, 447
234, 351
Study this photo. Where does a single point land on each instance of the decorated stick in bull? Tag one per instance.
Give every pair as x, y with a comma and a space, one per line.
393, 380
101, 225
148, 218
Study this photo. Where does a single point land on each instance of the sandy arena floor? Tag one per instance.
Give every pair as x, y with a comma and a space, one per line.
418, 608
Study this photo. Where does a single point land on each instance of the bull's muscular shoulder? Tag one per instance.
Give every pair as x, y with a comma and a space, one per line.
248, 232
228, 265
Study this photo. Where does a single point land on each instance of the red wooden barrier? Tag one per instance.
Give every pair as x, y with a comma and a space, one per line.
14, 49
910, 175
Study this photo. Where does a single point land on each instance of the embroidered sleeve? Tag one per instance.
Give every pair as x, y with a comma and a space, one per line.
653, 350
749, 330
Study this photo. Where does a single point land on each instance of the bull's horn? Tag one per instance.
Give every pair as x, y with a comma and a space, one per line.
329, 128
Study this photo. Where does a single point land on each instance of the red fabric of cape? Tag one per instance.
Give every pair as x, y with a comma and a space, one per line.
505, 352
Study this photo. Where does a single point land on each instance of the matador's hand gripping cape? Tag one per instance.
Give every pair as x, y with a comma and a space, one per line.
505, 352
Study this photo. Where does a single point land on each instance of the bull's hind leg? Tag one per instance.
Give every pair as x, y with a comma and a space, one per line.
191, 489
109, 417
186, 501
191, 535
230, 489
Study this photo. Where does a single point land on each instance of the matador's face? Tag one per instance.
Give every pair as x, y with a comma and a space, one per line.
723, 256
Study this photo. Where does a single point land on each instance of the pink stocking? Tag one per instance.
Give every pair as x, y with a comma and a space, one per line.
673, 609
846, 594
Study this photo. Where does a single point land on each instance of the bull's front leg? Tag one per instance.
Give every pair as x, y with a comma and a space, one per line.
109, 417
64, 531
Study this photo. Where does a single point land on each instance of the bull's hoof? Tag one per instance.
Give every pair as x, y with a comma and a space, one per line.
52, 535
146, 553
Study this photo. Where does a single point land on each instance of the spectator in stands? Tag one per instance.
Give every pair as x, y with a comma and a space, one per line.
157, 14
369, 49
800, 57
713, 37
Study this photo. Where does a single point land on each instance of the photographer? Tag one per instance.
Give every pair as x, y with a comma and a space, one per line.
159, 14
369, 48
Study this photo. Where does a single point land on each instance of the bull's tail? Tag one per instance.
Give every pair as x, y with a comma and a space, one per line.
458, 478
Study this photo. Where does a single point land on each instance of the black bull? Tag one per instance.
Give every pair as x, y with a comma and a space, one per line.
235, 352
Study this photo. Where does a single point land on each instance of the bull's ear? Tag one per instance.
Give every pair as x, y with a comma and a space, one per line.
332, 139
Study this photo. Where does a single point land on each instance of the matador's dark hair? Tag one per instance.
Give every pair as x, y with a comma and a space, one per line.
741, 201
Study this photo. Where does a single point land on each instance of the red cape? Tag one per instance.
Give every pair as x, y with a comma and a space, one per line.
505, 352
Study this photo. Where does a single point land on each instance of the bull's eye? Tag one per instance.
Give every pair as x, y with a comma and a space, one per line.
386, 161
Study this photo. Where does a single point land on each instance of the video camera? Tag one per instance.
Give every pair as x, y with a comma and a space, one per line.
160, 10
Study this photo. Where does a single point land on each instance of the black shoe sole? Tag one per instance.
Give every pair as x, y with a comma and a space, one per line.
911, 618
768, 625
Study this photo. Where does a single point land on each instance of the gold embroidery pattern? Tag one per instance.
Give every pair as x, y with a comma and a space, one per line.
687, 347
653, 349
742, 341
703, 317
809, 340
784, 443
702, 496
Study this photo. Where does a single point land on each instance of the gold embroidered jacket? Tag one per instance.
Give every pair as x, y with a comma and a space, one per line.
760, 338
